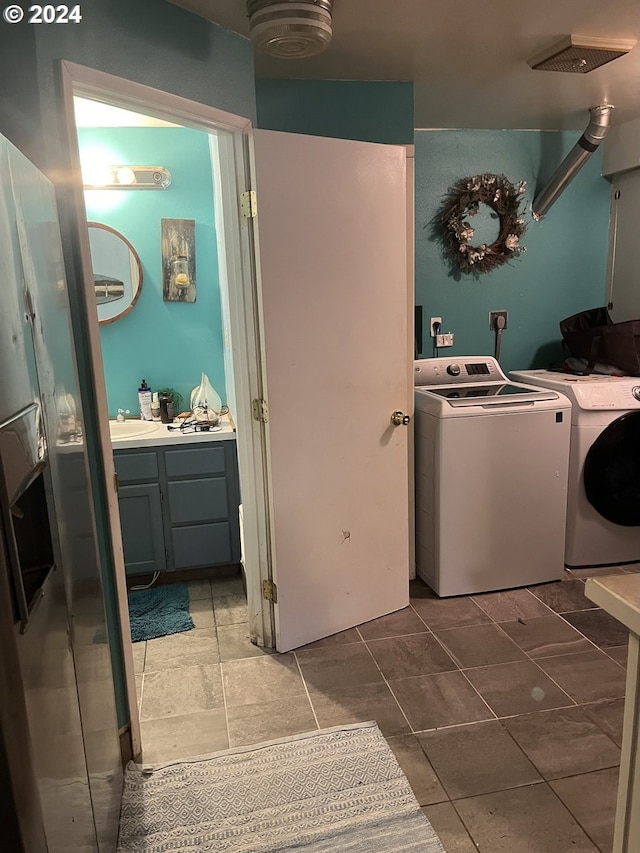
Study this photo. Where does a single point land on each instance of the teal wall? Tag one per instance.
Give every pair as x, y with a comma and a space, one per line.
168, 343
562, 270
368, 111
155, 43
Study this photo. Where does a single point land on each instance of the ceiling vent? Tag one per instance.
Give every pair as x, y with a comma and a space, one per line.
290, 29
580, 54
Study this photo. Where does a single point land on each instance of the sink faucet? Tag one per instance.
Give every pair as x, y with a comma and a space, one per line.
121, 414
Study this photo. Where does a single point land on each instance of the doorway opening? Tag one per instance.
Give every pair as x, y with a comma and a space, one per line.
221, 335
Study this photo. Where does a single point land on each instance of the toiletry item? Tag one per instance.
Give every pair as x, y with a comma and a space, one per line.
206, 404
155, 406
166, 409
144, 400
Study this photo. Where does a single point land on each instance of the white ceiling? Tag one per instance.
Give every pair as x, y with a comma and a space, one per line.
468, 60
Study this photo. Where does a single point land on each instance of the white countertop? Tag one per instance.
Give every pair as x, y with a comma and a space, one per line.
162, 436
619, 595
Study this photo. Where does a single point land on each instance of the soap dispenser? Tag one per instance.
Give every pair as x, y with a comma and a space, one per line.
155, 406
144, 400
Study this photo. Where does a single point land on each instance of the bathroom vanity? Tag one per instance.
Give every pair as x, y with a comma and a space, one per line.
178, 496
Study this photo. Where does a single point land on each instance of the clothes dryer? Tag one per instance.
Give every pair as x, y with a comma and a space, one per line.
491, 477
603, 504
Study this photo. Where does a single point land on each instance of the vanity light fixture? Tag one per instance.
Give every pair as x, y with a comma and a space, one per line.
129, 178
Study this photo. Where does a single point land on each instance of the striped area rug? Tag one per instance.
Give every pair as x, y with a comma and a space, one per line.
337, 789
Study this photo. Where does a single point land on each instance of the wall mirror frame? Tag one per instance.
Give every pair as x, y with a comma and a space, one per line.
117, 272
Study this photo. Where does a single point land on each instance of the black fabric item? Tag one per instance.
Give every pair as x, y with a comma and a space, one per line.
612, 471
592, 335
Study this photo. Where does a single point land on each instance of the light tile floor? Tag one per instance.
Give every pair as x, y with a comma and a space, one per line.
504, 709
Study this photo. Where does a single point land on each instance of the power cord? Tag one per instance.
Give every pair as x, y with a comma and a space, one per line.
155, 577
500, 324
436, 329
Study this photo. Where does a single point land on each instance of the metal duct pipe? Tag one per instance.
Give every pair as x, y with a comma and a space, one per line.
596, 131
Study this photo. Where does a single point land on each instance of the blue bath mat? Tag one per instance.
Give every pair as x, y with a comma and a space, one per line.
159, 611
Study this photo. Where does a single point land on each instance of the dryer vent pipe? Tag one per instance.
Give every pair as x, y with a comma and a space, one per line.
583, 149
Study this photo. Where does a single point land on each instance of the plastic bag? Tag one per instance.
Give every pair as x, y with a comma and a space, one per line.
206, 404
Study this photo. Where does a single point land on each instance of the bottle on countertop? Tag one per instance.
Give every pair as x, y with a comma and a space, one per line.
155, 406
144, 400
166, 409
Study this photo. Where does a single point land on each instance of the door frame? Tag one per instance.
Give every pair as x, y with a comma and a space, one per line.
242, 313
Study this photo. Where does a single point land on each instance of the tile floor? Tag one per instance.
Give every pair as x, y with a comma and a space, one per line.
504, 709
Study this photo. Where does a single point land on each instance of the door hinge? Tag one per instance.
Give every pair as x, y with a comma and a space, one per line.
248, 204
260, 410
116, 482
270, 591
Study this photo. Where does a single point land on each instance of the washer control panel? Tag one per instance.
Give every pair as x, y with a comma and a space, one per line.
593, 392
614, 395
464, 369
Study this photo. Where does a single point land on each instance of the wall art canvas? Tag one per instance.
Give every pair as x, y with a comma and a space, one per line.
179, 260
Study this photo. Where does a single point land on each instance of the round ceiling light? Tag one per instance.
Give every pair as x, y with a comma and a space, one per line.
290, 29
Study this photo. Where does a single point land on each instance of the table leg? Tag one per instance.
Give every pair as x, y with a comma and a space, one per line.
626, 838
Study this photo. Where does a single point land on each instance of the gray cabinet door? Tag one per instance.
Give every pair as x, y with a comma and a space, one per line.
199, 545
179, 506
142, 529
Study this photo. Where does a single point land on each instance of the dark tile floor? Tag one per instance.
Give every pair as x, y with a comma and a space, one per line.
504, 709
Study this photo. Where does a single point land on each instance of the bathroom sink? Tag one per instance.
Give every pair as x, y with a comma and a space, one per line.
131, 429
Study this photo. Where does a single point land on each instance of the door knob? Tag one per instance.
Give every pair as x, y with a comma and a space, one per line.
400, 419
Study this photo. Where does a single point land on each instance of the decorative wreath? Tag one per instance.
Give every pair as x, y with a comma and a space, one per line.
455, 231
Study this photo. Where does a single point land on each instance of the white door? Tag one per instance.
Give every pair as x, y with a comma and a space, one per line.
333, 285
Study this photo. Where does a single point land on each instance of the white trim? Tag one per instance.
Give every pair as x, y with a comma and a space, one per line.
91, 319
267, 520
242, 351
410, 155
89, 83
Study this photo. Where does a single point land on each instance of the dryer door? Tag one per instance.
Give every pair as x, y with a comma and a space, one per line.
612, 471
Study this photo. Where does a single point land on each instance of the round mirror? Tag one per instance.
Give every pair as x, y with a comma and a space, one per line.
117, 272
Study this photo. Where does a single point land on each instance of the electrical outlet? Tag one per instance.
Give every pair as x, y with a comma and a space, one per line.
444, 340
432, 322
493, 317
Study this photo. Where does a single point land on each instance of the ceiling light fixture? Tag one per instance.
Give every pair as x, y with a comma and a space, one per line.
128, 178
290, 29
580, 54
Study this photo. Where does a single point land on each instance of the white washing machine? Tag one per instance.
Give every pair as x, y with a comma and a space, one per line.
603, 506
491, 477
